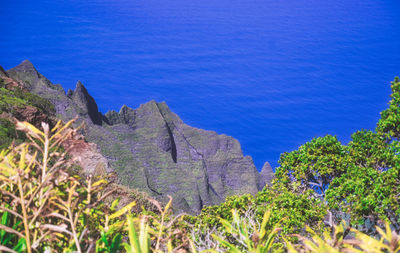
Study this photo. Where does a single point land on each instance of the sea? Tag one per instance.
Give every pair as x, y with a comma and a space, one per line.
271, 73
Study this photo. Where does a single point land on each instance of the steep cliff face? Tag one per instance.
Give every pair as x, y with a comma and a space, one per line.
151, 149
197, 167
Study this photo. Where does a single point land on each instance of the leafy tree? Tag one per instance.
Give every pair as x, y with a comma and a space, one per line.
370, 149
313, 165
367, 188
360, 179
389, 122
292, 210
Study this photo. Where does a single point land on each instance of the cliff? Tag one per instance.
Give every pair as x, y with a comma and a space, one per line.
151, 149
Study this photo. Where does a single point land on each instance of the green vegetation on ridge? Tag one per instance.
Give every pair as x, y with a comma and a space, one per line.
10, 99
13, 103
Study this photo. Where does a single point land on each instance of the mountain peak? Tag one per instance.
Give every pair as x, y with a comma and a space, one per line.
126, 115
79, 86
70, 93
123, 109
150, 104
27, 74
26, 62
80, 90
80, 93
82, 98
27, 66
266, 175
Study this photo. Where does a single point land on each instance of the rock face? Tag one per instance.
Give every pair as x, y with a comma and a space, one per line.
33, 80
86, 102
266, 175
151, 149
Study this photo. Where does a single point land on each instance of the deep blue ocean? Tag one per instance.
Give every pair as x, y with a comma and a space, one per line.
271, 73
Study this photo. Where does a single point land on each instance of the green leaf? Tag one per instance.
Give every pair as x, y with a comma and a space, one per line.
116, 243
123, 210
133, 238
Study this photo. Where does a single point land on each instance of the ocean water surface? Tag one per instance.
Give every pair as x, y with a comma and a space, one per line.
271, 73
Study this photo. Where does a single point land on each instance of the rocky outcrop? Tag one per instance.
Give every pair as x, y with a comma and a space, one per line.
32, 79
10, 83
89, 107
266, 175
32, 115
86, 154
151, 149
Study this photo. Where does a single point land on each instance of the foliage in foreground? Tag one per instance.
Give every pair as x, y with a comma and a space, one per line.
335, 241
292, 211
42, 205
254, 240
46, 207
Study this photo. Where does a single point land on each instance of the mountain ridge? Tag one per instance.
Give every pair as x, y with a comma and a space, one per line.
151, 149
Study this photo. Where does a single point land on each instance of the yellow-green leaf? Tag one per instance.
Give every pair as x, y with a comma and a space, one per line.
123, 210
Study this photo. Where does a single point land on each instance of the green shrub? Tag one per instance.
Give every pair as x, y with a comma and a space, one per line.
8, 134
42, 206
